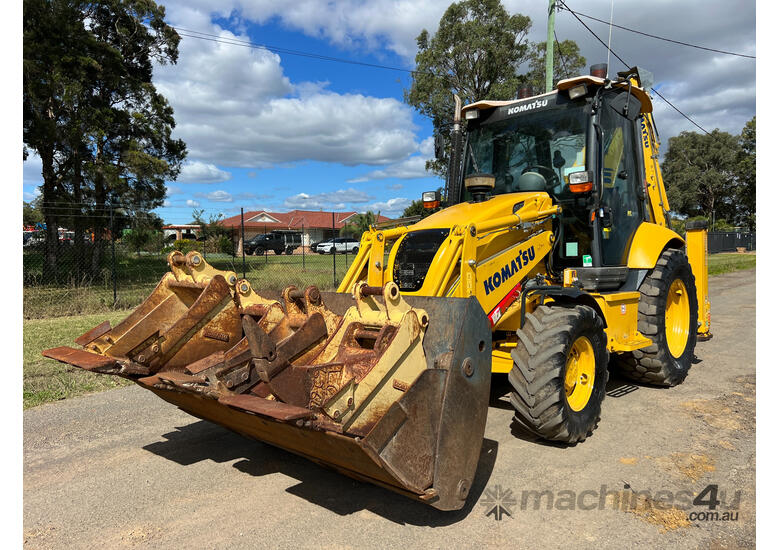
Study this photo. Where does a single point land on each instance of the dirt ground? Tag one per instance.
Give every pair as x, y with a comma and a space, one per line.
123, 468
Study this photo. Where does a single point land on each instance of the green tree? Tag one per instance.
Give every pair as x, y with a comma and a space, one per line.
475, 53
699, 174
415, 209
137, 238
746, 175
30, 214
92, 113
567, 63
359, 224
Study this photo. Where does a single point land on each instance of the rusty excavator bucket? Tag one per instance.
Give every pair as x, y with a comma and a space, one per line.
387, 389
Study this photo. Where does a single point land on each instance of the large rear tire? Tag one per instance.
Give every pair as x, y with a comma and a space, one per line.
560, 372
668, 315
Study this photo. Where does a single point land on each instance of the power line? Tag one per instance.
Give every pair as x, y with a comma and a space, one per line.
662, 38
629, 66
276, 49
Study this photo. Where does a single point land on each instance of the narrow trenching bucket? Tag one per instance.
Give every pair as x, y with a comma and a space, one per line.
384, 388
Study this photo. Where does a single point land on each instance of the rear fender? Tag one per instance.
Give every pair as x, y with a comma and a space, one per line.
649, 241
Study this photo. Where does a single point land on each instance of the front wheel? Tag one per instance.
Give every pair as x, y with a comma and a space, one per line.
355, 249
668, 315
560, 372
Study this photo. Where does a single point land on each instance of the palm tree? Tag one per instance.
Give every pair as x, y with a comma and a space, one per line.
358, 224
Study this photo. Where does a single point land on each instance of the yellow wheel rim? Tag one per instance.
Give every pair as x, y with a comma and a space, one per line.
678, 318
580, 373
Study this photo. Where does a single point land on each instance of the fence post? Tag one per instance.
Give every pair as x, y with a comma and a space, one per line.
243, 256
266, 248
303, 246
113, 249
333, 242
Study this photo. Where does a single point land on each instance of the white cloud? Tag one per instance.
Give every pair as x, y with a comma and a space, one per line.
31, 170
31, 195
192, 203
235, 107
392, 208
166, 202
336, 200
393, 25
216, 196
172, 190
353, 24
411, 168
201, 172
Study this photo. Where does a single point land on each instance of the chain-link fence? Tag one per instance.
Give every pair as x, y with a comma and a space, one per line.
119, 269
104, 269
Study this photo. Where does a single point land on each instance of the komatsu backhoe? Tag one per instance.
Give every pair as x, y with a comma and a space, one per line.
552, 254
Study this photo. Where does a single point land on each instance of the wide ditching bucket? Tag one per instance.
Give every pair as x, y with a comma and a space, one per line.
382, 387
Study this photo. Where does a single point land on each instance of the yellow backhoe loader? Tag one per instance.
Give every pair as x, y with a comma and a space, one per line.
552, 254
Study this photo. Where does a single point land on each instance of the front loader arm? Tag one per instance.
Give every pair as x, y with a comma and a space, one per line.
465, 258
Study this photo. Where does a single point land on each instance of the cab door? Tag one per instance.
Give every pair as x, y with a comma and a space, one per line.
621, 209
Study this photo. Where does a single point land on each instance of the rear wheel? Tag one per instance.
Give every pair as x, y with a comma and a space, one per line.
668, 314
257, 252
560, 372
355, 249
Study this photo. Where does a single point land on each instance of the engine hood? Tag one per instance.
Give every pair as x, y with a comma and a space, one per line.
475, 212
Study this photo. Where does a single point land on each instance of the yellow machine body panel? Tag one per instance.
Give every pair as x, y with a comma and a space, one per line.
696, 246
650, 240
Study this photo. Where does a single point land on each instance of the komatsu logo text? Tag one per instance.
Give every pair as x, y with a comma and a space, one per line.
524, 257
527, 106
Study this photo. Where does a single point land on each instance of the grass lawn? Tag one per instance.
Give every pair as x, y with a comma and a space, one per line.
137, 276
48, 380
727, 262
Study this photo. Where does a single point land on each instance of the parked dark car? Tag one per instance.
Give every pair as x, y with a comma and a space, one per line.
279, 242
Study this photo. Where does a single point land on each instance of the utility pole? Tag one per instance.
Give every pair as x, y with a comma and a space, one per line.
550, 38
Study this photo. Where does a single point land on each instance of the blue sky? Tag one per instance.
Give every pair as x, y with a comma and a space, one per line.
279, 132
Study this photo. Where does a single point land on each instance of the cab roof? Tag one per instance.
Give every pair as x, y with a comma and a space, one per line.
636, 91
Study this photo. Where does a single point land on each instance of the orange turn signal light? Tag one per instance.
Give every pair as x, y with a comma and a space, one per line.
581, 187
431, 199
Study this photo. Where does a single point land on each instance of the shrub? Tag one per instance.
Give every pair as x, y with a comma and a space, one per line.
186, 245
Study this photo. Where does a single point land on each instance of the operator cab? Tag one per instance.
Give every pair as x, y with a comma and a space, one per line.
580, 144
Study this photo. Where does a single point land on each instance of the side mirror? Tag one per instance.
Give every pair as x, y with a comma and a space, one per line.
431, 199
439, 147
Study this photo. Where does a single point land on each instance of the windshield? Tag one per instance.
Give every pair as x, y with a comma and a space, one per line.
549, 142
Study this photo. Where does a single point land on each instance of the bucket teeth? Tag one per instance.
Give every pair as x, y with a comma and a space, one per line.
346, 367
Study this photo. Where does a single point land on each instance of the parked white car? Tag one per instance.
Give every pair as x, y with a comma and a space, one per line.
341, 244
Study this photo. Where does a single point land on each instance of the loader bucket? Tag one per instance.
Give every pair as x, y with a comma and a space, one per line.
384, 388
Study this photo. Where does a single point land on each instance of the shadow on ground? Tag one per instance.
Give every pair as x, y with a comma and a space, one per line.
203, 440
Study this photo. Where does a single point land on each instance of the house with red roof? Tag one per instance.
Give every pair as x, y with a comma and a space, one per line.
313, 226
